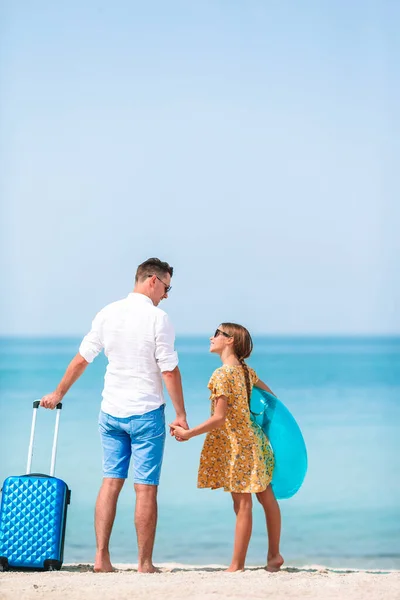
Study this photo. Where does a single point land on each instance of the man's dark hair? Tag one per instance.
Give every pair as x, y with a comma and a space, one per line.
152, 266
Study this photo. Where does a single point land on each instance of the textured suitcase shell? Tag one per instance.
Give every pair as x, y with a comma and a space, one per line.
32, 521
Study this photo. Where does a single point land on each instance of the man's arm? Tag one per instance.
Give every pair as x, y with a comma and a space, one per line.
74, 370
173, 383
167, 360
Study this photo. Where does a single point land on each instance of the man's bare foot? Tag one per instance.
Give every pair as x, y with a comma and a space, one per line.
102, 563
148, 569
274, 563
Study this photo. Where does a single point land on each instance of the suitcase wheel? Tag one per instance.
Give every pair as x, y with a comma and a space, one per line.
52, 565
3, 563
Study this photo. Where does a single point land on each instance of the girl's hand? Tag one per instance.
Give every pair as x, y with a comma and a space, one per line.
180, 433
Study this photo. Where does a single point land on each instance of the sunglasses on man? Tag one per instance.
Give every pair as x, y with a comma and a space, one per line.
167, 288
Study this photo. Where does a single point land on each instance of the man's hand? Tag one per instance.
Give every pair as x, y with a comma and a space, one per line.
51, 400
181, 434
74, 370
179, 422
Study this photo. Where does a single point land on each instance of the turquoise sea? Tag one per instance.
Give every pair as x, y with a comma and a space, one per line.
345, 394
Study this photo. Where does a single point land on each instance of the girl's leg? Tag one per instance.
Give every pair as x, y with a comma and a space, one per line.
273, 518
242, 505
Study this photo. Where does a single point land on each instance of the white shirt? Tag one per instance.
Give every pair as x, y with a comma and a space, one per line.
138, 340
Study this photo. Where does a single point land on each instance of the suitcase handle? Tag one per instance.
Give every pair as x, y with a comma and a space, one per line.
36, 405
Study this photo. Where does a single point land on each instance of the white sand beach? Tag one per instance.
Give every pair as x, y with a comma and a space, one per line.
199, 582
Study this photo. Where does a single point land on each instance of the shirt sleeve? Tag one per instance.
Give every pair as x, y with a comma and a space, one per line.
253, 376
219, 384
92, 344
166, 357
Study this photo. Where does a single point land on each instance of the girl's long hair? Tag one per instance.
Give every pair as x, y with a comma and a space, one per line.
242, 347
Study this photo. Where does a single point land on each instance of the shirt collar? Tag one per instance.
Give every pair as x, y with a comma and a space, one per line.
140, 297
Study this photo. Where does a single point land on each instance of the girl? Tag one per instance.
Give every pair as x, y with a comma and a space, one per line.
236, 454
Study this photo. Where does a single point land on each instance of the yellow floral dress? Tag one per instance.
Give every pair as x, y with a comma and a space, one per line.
237, 456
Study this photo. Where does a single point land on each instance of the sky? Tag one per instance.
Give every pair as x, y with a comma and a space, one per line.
252, 145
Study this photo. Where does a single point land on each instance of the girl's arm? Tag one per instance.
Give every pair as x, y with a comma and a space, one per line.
214, 422
263, 386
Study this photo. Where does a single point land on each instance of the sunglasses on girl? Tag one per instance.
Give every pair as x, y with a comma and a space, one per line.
219, 332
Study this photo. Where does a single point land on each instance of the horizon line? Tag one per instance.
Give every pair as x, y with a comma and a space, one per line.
74, 336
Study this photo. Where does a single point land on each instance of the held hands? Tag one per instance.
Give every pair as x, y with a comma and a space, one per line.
51, 400
180, 434
182, 424
179, 421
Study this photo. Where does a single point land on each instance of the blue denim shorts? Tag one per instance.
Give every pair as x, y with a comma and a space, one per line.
139, 436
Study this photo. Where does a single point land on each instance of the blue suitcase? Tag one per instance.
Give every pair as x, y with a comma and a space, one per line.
33, 514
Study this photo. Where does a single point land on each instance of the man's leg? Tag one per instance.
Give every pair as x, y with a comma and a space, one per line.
148, 438
106, 506
116, 445
146, 522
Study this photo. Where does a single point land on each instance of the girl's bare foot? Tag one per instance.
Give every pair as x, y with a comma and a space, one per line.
234, 569
274, 563
102, 563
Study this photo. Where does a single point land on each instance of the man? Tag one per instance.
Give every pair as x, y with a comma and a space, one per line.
138, 340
